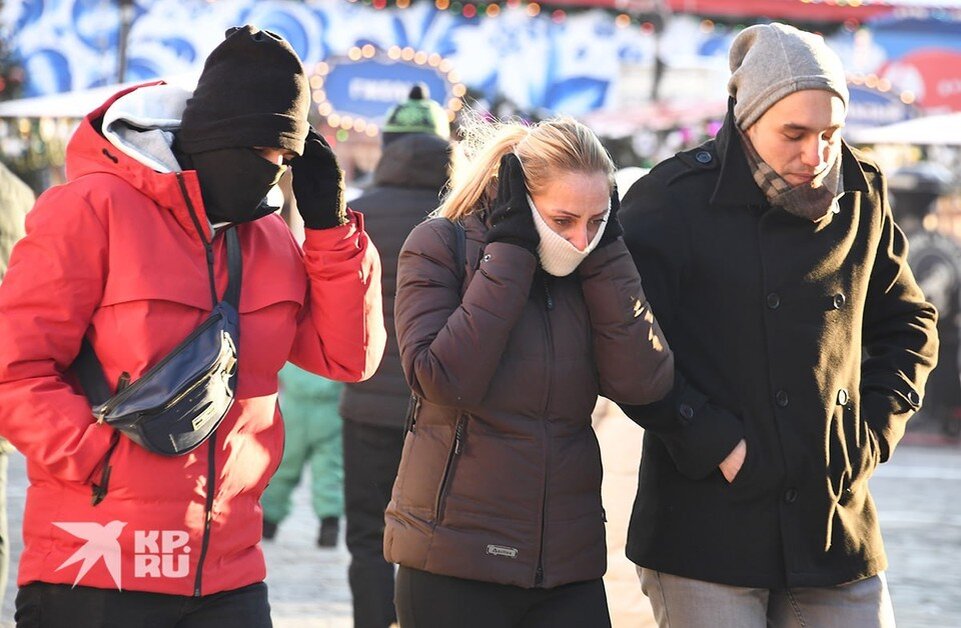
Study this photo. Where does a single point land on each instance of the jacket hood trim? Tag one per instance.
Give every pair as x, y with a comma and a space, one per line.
141, 123
90, 151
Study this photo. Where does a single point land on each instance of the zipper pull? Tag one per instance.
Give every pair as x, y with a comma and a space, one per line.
100, 490
458, 438
413, 407
548, 299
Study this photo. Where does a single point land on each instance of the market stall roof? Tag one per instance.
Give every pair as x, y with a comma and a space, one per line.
936, 130
78, 103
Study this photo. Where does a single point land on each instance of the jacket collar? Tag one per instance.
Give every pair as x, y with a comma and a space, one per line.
735, 184
88, 151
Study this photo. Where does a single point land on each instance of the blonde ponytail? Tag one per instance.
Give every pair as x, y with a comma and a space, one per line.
474, 172
546, 149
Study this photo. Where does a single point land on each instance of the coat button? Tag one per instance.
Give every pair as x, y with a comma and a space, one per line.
914, 398
843, 397
686, 411
838, 301
790, 495
782, 399
773, 301
703, 157
486, 258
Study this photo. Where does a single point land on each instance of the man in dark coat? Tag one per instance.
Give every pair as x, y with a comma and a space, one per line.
412, 170
802, 344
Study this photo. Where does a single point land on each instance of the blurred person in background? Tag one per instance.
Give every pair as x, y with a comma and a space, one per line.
16, 199
935, 259
312, 438
128, 255
516, 307
774, 264
407, 183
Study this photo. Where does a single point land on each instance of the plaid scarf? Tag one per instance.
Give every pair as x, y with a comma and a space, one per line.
813, 201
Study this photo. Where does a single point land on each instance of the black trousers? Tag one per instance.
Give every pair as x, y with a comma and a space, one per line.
426, 600
42, 605
371, 458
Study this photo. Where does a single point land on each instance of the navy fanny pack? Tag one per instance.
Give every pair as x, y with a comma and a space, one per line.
179, 402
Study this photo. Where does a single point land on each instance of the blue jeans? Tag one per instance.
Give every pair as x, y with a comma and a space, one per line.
686, 603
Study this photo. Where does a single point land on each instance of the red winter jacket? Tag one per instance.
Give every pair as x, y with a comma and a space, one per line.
115, 255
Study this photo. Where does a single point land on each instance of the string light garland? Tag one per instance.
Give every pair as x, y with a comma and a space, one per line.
558, 14
644, 13
883, 85
347, 123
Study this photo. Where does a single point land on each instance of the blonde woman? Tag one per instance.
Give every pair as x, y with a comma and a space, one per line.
496, 517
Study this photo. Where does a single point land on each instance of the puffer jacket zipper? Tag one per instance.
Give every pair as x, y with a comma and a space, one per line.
548, 307
208, 511
455, 450
100, 488
211, 450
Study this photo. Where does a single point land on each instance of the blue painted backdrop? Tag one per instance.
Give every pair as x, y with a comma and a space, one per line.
72, 44
572, 67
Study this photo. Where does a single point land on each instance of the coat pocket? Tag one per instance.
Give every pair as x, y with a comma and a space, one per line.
456, 446
838, 463
865, 456
853, 453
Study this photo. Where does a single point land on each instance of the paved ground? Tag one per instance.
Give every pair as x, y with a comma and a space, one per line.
918, 495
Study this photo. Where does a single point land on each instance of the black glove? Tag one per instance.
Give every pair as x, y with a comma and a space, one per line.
319, 185
613, 227
511, 219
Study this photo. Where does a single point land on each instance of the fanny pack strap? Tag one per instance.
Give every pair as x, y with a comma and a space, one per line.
234, 268
87, 365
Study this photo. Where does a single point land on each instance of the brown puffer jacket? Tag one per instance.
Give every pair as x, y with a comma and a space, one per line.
500, 479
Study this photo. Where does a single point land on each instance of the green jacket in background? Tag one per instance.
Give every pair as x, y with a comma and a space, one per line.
304, 392
312, 437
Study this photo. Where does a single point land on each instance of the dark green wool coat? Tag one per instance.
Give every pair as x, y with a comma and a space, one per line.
809, 340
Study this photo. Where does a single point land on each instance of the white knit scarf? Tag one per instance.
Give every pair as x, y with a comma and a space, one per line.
558, 256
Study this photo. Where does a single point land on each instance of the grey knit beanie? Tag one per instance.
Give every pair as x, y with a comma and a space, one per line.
771, 61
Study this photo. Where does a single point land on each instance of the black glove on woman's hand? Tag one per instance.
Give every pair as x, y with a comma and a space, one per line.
511, 219
613, 227
319, 185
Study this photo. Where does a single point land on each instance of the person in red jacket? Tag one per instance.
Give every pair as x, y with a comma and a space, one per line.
119, 255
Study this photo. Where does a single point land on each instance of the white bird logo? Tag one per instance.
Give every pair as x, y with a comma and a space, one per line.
102, 542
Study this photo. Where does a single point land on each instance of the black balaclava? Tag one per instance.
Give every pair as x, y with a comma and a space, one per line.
252, 92
234, 182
